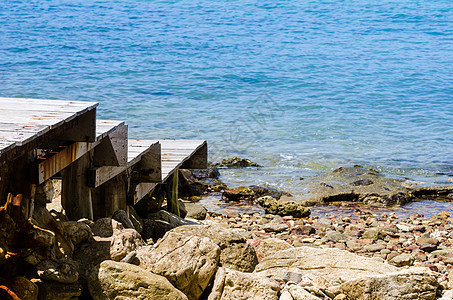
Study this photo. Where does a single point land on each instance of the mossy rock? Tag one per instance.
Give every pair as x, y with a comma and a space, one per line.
236, 162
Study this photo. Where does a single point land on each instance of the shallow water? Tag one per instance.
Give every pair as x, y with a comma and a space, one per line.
420, 207
300, 87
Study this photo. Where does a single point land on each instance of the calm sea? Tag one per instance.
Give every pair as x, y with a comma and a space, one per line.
300, 87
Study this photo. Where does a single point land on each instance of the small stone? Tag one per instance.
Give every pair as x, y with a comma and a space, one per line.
334, 236
402, 260
274, 227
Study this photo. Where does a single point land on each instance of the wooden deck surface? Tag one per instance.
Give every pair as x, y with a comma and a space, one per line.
24, 120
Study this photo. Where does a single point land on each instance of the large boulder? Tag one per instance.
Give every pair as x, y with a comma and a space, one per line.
408, 284
267, 247
21, 286
158, 223
187, 261
118, 280
236, 253
355, 183
232, 284
334, 265
123, 242
64, 270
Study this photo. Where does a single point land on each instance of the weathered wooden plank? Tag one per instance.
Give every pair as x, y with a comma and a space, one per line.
19, 138
5, 146
24, 127
62, 159
51, 119
45, 104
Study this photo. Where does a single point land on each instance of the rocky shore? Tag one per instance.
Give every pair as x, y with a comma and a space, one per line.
149, 253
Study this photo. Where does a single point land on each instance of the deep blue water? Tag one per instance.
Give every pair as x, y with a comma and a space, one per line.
298, 86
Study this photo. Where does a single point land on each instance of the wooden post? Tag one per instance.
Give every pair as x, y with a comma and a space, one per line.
172, 193
110, 197
75, 193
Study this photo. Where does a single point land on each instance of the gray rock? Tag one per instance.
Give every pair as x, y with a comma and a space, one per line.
412, 283
188, 262
119, 280
122, 217
104, 227
336, 237
77, 231
357, 184
195, 211
64, 270
274, 227
231, 285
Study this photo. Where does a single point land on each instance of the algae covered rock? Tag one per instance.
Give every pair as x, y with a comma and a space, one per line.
283, 208
238, 194
236, 162
357, 184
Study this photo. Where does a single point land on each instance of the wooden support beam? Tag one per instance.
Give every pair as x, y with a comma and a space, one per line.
149, 168
110, 197
112, 150
85, 129
139, 191
199, 160
76, 196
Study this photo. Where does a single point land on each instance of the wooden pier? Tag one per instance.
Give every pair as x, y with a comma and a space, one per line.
100, 168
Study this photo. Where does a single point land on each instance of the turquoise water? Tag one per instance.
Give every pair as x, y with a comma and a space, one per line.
298, 86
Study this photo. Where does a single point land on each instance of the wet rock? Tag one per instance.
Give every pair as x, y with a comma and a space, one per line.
21, 286
63, 270
115, 280
195, 211
121, 216
188, 262
265, 191
404, 259
238, 194
52, 290
358, 184
236, 162
123, 242
413, 283
287, 208
266, 247
331, 264
236, 253
232, 284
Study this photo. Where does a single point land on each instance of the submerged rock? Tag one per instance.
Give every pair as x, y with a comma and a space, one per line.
236, 162
283, 208
358, 184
